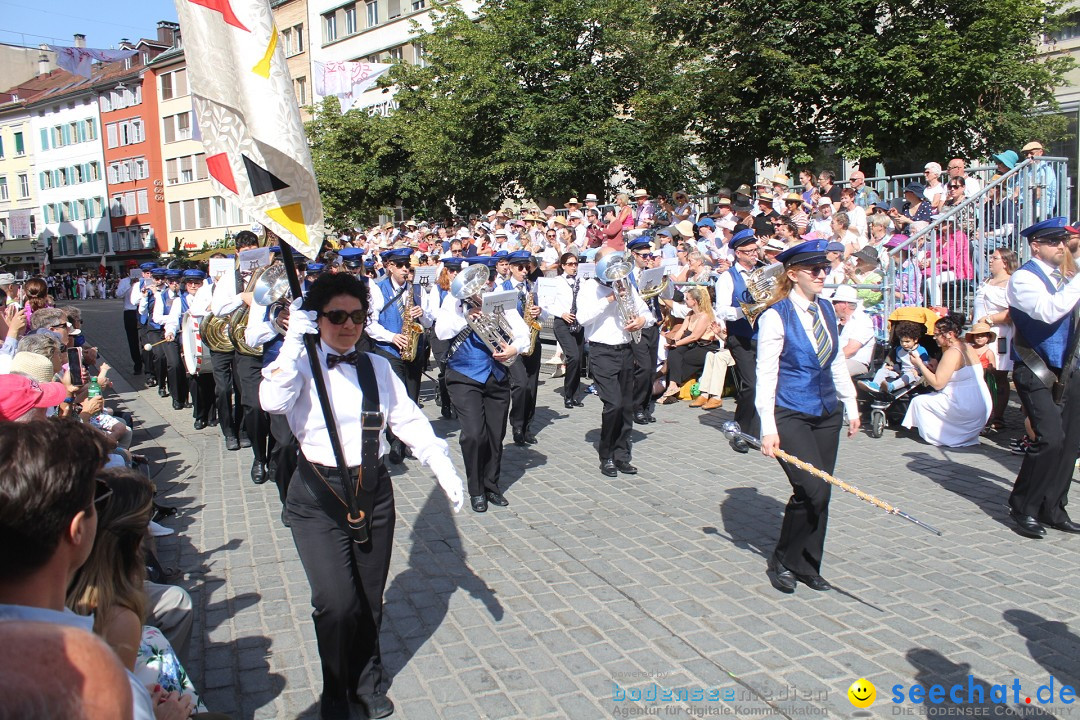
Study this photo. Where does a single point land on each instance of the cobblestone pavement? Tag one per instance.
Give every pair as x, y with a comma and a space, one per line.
588, 590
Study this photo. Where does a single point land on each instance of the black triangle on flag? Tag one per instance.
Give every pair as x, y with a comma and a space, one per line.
262, 181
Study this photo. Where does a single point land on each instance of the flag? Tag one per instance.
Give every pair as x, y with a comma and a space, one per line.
78, 60
248, 118
102, 268
347, 81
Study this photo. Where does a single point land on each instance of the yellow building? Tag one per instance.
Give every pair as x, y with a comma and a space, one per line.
20, 248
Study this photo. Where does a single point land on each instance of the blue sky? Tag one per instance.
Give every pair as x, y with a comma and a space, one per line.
104, 22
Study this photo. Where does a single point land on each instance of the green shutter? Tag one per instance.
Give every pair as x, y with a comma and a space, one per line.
44, 139
41, 180
19, 149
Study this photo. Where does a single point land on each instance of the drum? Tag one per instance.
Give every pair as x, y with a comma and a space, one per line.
195, 353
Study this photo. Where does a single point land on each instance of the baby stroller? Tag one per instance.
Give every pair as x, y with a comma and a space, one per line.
888, 408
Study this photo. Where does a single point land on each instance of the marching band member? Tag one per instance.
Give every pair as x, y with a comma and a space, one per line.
434, 299
612, 363
568, 331
130, 291
646, 352
1042, 305
163, 311
742, 336
152, 331
801, 376
201, 384
525, 373
347, 576
479, 387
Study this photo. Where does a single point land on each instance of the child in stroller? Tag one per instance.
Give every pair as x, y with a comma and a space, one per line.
899, 372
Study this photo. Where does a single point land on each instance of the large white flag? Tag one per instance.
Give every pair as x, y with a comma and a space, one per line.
248, 117
79, 60
347, 81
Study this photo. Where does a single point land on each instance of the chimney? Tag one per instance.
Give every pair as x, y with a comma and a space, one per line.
80, 40
166, 32
44, 66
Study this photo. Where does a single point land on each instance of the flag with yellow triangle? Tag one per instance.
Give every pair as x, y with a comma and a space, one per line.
249, 119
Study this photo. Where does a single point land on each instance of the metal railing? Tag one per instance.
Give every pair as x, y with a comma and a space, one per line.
944, 262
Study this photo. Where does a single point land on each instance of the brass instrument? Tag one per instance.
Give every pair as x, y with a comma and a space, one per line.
272, 290
614, 268
760, 284
410, 329
652, 291
216, 332
239, 319
534, 325
493, 330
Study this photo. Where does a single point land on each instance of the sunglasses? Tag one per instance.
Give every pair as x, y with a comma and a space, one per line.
956, 187
815, 270
338, 317
570, 264
102, 492
1053, 242
747, 251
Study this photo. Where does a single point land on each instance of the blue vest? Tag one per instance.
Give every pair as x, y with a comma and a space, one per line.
150, 312
511, 284
166, 302
473, 360
802, 384
739, 293
389, 316
1049, 340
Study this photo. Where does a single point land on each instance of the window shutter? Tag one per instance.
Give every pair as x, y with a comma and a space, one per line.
44, 139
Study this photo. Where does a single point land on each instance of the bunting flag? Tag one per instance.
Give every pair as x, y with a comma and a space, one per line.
248, 117
79, 60
346, 81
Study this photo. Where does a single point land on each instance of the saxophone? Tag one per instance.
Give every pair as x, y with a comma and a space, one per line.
534, 325
411, 330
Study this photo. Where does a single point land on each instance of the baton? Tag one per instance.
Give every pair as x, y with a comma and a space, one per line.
733, 432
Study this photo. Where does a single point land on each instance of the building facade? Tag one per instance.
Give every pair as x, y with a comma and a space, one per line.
291, 17
19, 212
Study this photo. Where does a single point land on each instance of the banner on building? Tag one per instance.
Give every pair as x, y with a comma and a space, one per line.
347, 81
247, 114
19, 223
79, 60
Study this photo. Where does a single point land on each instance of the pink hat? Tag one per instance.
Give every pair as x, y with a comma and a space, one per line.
20, 394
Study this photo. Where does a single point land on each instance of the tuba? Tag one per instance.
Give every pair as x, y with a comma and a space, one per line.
534, 325
614, 269
238, 321
215, 331
272, 290
493, 330
411, 330
760, 284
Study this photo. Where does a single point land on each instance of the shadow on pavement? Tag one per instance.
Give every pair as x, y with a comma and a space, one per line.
1050, 643
985, 489
987, 699
751, 520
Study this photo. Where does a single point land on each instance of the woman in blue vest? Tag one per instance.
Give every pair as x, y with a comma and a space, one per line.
802, 381
479, 386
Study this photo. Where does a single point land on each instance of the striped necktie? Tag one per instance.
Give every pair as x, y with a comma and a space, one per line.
821, 335
1058, 278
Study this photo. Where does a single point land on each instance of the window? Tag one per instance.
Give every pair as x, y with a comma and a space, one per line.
90, 129
189, 213
187, 172
1, 148
396, 54
203, 205
20, 149
142, 203
183, 126
201, 173
419, 5
298, 37
171, 175
350, 19
45, 180
3, 188
169, 127
95, 171
301, 91
139, 171
118, 209
329, 27
393, 9
166, 86
24, 185
372, 14
111, 135
174, 217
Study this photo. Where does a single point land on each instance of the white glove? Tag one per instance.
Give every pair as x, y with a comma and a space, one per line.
301, 322
449, 481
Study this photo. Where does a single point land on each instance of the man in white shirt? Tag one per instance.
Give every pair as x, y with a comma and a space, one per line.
856, 330
957, 169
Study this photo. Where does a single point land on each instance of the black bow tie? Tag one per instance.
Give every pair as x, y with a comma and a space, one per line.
333, 361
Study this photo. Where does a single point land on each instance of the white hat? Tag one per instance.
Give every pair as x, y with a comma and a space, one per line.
641, 192
591, 197
7, 279
464, 233
933, 167
727, 224
824, 200
775, 245
845, 293
575, 214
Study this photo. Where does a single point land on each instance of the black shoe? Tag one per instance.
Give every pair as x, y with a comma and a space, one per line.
529, 438
781, 578
188, 405
740, 446
625, 468
151, 382
641, 418
1027, 525
177, 405
259, 474
285, 517
479, 503
519, 439
334, 709
394, 457
199, 425
1067, 526
650, 418
578, 403
447, 413
607, 467
231, 443
376, 706
496, 499
212, 422
162, 391
245, 441
568, 404
814, 582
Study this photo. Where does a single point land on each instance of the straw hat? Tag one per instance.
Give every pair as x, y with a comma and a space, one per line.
33, 365
981, 329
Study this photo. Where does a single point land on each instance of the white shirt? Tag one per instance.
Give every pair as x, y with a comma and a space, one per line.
857, 220
174, 318
160, 316
451, 320
770, 343
859, 328
287, 389
563, 296
724, 311
1028, 292
600, 317
200, 304
123, 291
258, 331
223, 299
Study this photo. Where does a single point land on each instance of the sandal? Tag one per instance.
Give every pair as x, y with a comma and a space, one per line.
668, 399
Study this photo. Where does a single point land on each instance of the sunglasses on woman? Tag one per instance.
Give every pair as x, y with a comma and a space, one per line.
338, 317
815, 270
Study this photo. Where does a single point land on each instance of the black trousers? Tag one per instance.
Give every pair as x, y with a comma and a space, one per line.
613, 374
131, 330
144, 355
155, 356
225, 385
285, 455
573, 348
744, 353
347, 579
687, 362
524, 381
248, 370
482, 410
176, 371
806, 517
645, 358
1042, 485
201, 388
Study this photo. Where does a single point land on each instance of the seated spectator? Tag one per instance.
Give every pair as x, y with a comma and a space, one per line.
714, 374
857, 330
865, 272
914, 210
53, 319
855, 214
953, 265
787, 232
880, 228
24, 399
935, 190
909, 276
834, 253
793, 210
109, 586
955, 415
689, 343
899, 371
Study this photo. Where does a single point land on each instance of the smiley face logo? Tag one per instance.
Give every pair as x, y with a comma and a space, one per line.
862, 693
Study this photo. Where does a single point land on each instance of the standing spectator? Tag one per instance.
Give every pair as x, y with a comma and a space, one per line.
644, 214
1042, 180
682, 208
865, 196
992, 308
809, 189
958, 171
827, 188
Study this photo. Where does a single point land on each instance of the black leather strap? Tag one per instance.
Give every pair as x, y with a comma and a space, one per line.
371, 422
